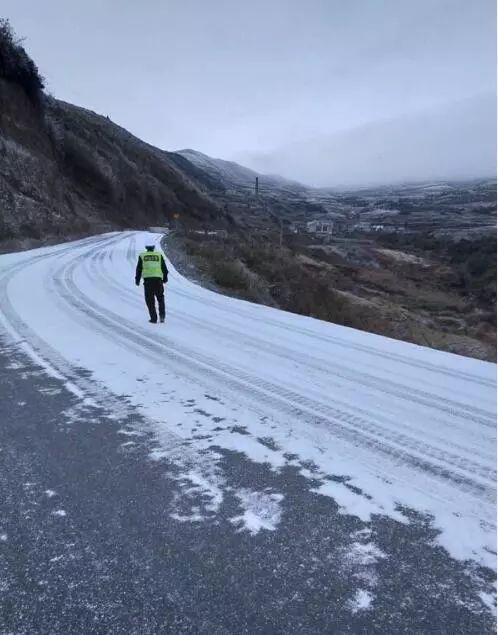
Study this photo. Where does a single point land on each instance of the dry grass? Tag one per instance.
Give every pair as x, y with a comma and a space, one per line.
386, 301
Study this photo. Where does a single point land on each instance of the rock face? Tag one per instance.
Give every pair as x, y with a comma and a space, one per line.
66, 170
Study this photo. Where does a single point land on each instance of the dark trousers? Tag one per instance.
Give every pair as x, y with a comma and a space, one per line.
154, 288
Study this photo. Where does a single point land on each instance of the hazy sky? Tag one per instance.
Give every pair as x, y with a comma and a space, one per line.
325, 91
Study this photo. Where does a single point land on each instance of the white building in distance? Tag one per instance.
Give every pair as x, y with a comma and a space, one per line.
320, 227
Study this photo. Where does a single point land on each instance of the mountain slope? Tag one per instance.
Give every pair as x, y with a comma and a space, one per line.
65, 168
234, 175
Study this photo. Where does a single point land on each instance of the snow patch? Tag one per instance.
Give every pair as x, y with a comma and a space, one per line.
194, 517
200, 495
261, 510
253, 449
158, 455
130, 433
364, 554
50, 391
460, 541
78, 413
14, 366
355, 504
50, 493
359, 559
59, 512
207, 488
361, 601
489, 600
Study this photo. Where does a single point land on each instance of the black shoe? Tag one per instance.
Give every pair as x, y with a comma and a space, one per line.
161, 319
153, 321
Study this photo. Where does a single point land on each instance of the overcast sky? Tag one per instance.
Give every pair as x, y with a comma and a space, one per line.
329, 92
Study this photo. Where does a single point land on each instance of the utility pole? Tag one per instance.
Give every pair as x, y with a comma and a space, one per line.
257, 186
281, 233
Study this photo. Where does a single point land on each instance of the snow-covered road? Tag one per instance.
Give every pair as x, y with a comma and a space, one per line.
379, 425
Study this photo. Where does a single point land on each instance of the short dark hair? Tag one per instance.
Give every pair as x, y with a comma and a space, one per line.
149, 247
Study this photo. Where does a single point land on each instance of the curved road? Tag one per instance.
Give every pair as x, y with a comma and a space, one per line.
235, 436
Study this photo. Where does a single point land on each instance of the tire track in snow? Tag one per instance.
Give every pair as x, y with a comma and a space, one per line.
354, 429
95, 272
376, 352
463, 411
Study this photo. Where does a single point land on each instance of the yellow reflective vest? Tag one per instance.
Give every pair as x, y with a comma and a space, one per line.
151, 264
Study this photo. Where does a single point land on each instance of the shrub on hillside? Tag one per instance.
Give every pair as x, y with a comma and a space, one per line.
229, 275
16, 65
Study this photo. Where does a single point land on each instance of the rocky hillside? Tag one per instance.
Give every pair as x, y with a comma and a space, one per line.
66, 170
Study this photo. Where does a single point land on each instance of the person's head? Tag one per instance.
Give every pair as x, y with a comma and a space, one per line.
149, 247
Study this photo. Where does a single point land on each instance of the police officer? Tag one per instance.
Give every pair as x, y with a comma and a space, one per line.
152, 268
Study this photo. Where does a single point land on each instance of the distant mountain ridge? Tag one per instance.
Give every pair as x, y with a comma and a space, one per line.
232, 174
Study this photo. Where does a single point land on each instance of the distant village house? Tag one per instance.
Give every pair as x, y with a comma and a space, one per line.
320, 228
